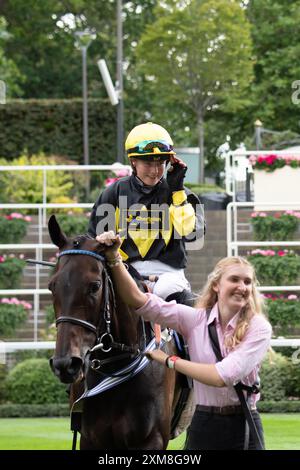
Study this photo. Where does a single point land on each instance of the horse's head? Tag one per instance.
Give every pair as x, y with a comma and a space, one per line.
80, 288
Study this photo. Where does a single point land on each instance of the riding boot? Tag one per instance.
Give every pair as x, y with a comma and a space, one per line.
185, 297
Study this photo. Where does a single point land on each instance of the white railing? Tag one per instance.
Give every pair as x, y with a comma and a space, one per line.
46, 168
39, 249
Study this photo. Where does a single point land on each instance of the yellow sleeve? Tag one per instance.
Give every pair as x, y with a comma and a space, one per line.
182, 215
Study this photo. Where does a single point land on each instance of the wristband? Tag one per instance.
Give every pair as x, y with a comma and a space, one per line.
170, 361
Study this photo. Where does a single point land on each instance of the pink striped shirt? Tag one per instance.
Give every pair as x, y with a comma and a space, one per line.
242, 363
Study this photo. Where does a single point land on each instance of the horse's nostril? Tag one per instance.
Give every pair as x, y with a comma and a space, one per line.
76, 364
66, 368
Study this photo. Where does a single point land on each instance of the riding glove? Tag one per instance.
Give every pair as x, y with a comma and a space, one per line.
175, 177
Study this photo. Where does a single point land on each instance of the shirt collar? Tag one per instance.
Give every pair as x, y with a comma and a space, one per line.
214, 315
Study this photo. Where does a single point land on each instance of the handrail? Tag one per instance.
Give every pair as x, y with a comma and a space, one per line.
7, 347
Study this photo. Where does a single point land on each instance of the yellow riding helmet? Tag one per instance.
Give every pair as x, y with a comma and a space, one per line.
149, 141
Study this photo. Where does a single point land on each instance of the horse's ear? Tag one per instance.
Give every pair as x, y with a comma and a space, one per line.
57, 236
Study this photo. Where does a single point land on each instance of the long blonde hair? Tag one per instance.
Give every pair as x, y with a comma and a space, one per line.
255, 305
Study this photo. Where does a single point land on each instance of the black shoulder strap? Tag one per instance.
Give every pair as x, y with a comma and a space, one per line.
239, 387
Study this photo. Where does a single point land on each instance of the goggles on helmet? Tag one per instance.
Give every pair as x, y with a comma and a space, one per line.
152, 149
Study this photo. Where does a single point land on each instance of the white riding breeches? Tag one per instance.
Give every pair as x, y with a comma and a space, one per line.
170, 280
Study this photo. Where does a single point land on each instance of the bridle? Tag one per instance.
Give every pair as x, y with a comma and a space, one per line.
104, 340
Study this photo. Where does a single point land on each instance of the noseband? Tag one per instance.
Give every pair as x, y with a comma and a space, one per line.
108, 291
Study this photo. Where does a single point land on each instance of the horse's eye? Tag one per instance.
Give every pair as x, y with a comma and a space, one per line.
94, 287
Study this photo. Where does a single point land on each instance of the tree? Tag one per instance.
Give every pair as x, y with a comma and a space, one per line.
9, 72
275, 27
197, 57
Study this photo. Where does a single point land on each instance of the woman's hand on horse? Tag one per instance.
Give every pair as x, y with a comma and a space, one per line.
157, 355
111, 242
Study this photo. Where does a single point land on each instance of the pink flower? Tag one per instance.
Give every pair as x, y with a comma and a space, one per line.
16, 215
26, 305
252, 159
27, 218
2, 259
292, 297
5, 300
110, 181
270, 159
281, 253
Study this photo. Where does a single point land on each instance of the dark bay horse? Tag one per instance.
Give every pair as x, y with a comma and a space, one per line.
98, 338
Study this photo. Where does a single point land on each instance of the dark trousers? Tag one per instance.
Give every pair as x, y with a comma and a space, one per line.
209, 431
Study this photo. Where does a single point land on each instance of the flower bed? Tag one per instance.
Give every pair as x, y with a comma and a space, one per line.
275, 227
11, 269
13, 313
283, 311
13, 227
272, 162
276, 268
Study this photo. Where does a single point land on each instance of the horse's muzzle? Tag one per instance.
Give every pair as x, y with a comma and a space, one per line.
67, 368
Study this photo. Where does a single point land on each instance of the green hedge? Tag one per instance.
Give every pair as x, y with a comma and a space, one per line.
32, 382
51, 410
280, 378
285, 406
33, 411
55, 128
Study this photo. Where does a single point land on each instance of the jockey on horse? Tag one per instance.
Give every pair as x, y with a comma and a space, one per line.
155, 216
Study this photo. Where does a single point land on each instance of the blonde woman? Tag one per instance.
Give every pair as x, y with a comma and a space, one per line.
234, 305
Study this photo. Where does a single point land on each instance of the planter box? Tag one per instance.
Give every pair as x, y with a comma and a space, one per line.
282, 185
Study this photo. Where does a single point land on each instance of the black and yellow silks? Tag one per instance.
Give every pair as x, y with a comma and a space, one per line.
153, 222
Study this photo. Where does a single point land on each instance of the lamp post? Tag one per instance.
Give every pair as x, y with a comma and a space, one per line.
120, 110
258, 131
82, 42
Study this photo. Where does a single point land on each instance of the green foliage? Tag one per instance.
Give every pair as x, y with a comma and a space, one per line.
50, 314
204, 188
293, 383
283, 313
283, 406
276, 37
274, 376
54, 127
200, 56
3, 373
276, 270
268, 227
11, 317
28, 185
33, 411
9, 71
192, 50
72, 224
32, 382
11, 230
11, 270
